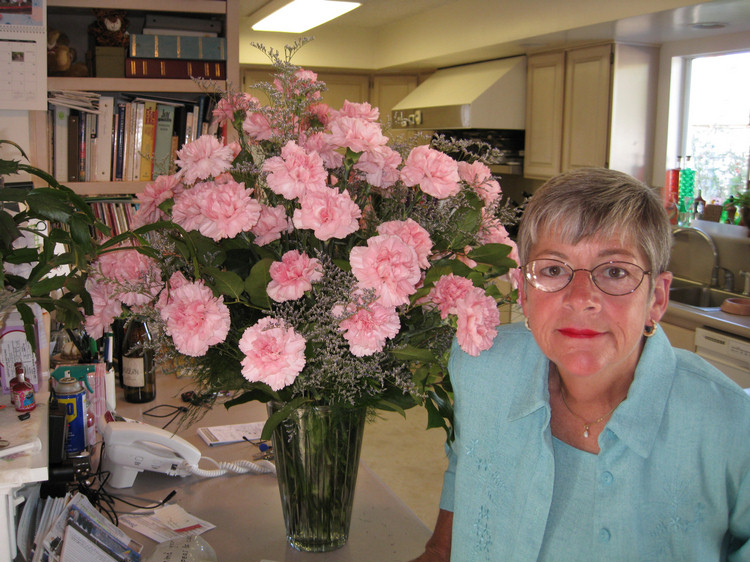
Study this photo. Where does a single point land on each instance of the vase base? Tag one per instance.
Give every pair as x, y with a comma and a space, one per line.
317, 545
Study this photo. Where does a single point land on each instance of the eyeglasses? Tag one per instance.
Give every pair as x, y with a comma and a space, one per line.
615, 278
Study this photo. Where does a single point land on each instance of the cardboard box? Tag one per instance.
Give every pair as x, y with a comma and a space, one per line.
109, 62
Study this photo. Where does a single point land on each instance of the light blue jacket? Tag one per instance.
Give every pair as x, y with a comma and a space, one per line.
671, 481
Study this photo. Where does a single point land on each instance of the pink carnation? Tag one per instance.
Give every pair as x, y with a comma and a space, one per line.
448, 292
195, 319
293, 276
137, 278
329, 213
303, 81
380, 166
230, 104
388, 265
217, 210
256, 126
478, 319
319, 112
176, 281
356, 134
154, 194
479, 177
106, 308
274, 353
204, 157
367, 327
436, 173
411, 233
321, 143
295, 171
360, 110
272, 223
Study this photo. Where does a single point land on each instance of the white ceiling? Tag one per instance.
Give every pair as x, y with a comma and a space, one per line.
435, 33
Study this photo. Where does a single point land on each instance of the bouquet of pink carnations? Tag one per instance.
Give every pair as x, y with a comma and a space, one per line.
312, 259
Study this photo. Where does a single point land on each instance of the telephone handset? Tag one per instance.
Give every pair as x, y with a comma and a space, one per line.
132, 447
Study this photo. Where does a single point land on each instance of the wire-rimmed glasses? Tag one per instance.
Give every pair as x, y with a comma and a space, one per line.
615, 278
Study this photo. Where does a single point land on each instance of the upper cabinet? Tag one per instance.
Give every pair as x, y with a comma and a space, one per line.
74, 17
591, 107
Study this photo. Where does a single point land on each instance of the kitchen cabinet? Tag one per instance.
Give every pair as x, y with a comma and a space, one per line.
591, 106
381, 91
79, 13
678, 336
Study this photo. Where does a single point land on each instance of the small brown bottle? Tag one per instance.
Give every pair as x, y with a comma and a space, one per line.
22, 391
138, 373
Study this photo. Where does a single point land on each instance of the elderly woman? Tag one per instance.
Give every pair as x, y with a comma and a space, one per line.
583, 435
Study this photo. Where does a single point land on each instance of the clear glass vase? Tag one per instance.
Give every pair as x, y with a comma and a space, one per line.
317, 458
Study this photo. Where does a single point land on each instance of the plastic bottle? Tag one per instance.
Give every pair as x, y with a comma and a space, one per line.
138, 373
686, 190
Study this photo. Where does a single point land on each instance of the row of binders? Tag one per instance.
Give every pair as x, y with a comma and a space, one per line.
96, 137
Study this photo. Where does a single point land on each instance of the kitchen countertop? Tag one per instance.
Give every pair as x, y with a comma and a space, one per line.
692, 317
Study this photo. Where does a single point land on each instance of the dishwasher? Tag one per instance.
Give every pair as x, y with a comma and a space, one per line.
728, 353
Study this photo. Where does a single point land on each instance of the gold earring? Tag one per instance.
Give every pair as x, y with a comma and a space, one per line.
649, 331
526, 323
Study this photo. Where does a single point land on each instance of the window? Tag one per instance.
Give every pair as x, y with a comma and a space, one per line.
717, 124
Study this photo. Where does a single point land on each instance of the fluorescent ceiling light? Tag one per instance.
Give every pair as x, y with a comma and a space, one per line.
301, 15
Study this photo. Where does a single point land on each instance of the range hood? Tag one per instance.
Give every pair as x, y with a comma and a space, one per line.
487, 95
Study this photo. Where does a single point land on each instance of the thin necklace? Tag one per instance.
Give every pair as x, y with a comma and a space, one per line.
586, 425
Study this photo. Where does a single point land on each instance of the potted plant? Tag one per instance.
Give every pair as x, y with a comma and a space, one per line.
45, 246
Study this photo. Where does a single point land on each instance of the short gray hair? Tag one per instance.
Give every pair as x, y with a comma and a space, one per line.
597, 202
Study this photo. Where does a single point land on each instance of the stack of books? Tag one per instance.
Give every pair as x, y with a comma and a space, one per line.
125, 138
177, 47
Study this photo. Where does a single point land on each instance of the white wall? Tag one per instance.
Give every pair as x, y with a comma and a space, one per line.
667, 110
14, 126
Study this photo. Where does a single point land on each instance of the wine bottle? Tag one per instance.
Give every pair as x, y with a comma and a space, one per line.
138, 374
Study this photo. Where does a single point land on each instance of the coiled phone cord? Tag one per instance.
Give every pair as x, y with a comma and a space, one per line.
240, 467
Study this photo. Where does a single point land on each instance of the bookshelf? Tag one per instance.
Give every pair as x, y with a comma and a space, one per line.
227, 10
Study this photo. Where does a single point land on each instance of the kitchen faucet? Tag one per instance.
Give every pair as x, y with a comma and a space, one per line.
714, 250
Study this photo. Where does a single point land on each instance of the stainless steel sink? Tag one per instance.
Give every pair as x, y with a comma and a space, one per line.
698, 296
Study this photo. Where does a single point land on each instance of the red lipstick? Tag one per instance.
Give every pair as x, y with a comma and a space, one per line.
578, 333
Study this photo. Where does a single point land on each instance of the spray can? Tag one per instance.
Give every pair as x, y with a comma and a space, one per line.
71, 394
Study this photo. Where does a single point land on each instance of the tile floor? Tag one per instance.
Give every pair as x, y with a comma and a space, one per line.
408, 458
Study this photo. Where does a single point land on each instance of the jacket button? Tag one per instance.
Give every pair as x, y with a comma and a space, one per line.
604, 535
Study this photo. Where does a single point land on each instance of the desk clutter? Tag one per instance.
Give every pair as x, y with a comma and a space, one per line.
71, 529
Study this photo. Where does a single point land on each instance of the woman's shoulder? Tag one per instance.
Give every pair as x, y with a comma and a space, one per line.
696, 375
514, 346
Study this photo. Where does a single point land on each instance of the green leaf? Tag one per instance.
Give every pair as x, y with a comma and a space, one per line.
22, 255
28, 322
47, 285
257, 281
81, 234
277, 417
490, 253
8, 230
411, 353
226, 282
47, 203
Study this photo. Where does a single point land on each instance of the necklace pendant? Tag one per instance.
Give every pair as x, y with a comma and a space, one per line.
586, 431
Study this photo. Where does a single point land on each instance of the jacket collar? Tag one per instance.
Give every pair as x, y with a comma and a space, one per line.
637, 420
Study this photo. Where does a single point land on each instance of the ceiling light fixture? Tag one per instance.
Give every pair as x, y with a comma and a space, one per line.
301, 15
